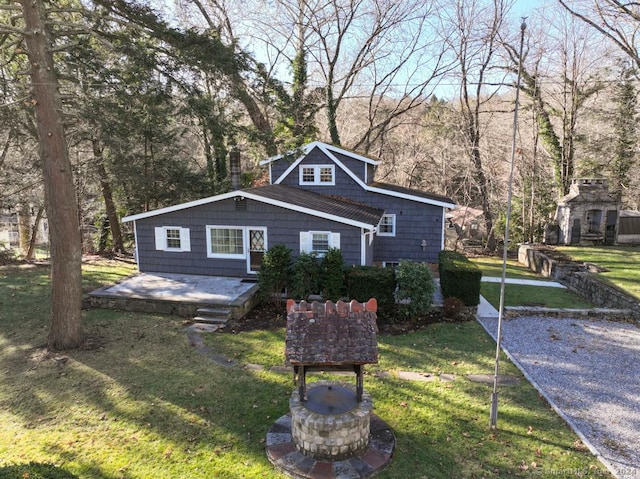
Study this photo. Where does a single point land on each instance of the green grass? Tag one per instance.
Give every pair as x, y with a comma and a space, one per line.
621, 261
522, 295
146, 405
534, 296
492, 266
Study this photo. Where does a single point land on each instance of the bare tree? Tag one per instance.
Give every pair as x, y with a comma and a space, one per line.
65, 331
476, 27
335, 52
561, 74
618, 21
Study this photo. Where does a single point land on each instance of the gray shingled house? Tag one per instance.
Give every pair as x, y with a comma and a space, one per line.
324, 198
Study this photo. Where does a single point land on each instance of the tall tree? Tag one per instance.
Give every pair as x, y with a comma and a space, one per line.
625, 130
205, 51
559, 93
475, 28
616, 20
65, 331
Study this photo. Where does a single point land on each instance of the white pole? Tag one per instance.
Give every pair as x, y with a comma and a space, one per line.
493, 416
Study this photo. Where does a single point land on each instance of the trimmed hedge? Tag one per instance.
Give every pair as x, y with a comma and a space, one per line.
459, 277
366, 282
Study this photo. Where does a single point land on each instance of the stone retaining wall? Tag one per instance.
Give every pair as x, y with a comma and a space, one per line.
577, 278
599, 293
541, 260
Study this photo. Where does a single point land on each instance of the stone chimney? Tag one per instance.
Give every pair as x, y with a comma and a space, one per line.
234, 168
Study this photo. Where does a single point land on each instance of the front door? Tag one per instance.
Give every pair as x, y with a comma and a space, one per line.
257, 246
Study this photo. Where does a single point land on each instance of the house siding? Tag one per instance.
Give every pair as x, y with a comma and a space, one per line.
415, 221
283, 227
357, 167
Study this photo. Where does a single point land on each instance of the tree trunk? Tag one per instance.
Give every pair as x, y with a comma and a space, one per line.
107, 195
65, 331
24, 227
31, 252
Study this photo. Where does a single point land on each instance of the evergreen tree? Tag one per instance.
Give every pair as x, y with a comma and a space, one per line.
624, 123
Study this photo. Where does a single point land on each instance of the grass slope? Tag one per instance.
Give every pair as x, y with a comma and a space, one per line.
621, 261
521, 295
143, 404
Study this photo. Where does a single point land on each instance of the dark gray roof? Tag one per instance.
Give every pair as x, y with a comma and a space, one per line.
410, 191
331, 205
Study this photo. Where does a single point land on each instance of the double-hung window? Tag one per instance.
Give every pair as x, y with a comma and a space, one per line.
318, 242
317, 175
172, 238
387, 226
225, 242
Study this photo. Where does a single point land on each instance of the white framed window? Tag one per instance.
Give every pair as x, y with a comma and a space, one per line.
387, 226
317, 175
390, 264
172, 238
225, 242
318, 242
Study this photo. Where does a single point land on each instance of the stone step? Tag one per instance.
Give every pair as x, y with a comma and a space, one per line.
211, 319
214, 312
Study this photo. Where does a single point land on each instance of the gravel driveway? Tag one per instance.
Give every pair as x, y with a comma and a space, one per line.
589, 370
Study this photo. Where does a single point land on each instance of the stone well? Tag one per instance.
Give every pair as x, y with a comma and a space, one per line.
326, 435
330, 430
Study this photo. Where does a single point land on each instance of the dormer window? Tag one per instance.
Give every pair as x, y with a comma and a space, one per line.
317, 175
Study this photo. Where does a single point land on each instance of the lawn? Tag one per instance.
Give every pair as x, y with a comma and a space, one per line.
143, 404
521, 295
621, 261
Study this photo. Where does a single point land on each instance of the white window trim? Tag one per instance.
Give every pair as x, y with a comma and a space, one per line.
162, 243
393, 225
316, 175
226, 255
306, 241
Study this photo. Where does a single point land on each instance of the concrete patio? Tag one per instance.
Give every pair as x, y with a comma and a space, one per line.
179, 294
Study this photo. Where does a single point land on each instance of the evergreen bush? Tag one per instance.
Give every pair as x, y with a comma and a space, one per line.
366, 282
459, 277
415, 288
332, 279
275, 272
305, 276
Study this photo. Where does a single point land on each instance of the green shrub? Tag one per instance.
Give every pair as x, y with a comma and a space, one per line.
415, 287
459, 277
275, 272
305, 276
332, 279
366, 282
34, 470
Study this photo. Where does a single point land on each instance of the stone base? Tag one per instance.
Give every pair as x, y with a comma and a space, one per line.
332, 436
282, 453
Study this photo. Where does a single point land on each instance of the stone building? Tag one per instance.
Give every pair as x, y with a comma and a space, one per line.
588, 215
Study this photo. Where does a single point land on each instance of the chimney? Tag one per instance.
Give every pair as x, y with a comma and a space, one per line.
234, 168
